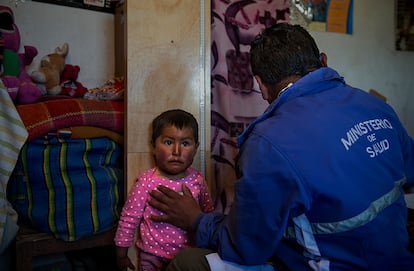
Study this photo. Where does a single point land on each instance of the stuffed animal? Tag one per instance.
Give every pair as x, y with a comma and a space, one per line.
14, 75
68, 82
50, 70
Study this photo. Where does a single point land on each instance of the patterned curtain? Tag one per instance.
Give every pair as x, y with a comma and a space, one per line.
236, 99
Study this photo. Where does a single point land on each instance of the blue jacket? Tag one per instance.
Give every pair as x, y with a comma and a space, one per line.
320, 183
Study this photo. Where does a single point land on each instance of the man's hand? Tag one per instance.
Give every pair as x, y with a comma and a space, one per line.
180, 209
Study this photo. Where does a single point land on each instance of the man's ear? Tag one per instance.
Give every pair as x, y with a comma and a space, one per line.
262, 87
259, 80
324, 59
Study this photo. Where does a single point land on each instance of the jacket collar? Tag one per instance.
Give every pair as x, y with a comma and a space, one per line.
314, 82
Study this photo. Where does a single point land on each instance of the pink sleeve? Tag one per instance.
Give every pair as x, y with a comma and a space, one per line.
206, 203
131, 215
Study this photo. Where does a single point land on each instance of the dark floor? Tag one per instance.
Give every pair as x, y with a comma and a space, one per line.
94, 259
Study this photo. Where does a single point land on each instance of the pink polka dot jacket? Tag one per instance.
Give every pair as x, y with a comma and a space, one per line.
158, 238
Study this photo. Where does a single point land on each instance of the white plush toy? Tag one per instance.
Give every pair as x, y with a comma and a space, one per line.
50, 70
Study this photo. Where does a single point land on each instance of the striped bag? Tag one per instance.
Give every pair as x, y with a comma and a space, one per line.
69, 188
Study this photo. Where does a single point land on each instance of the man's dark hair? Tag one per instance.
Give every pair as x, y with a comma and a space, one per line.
176, 117
283, 50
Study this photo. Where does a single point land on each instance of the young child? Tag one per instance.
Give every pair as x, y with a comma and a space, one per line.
175, 142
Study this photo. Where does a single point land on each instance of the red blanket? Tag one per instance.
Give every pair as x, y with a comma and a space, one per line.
44, 117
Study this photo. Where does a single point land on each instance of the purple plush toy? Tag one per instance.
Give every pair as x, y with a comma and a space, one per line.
14, 76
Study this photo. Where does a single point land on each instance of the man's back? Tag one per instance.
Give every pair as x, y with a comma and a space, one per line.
345, 149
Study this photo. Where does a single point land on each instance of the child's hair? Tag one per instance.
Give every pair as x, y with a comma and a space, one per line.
176, 117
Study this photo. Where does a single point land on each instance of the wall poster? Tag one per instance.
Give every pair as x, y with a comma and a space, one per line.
323, 15
404, 26
97, 5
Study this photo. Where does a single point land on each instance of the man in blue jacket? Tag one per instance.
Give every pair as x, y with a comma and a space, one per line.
321, 174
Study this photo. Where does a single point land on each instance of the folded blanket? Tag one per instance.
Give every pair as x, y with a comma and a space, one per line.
43, 117
12, 137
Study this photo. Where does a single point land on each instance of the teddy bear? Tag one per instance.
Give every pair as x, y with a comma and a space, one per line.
50, 70
68, 82
13, 71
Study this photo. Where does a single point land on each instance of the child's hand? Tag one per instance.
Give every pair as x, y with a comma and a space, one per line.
124, 262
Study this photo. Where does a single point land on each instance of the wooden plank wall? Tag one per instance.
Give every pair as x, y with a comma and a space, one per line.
165, 70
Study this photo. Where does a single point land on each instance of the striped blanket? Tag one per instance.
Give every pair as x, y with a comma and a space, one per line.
69, 188
12, 137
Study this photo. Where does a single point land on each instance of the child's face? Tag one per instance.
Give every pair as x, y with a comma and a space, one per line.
174, 151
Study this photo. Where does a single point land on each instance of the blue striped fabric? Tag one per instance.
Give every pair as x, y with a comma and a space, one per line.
68, 187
